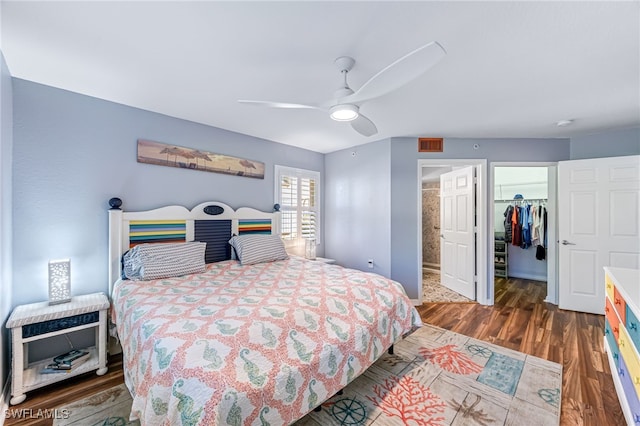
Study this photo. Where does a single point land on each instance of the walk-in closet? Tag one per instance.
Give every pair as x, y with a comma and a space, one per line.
521, 222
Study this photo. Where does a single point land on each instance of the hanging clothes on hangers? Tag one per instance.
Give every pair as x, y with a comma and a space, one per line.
525, 223
508, 227
541, 230
516, 227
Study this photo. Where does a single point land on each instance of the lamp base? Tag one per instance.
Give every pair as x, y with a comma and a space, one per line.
60, 301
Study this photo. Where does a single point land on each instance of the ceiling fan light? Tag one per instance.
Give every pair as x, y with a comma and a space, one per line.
344, 112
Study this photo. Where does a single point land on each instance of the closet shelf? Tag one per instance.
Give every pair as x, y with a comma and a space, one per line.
500, 260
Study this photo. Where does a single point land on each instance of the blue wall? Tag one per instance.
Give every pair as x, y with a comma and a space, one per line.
357, 206
405, 221
612, 143
6, 143
74, 152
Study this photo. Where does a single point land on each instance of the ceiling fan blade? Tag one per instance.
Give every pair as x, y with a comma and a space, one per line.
279, 104
399, 73
364, 126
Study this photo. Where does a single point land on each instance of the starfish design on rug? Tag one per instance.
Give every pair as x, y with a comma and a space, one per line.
469, 413
450, 359
393, 360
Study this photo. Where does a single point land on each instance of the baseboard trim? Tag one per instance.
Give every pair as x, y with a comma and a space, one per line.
416, 302
528, 276
4, 402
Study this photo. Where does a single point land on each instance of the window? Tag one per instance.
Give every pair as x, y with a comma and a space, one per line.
298, 193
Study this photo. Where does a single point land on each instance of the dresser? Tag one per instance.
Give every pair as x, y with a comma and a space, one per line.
622, 337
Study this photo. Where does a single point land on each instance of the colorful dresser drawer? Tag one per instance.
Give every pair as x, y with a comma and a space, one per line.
629, 391
608, 286
633, 327
612, 341
630, 356
612, 318
619, 304
622, 285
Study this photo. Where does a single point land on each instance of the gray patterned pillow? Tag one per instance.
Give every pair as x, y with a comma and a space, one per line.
153, 261
258, 248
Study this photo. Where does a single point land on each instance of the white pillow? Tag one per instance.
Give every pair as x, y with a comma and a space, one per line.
258, 248
153, 261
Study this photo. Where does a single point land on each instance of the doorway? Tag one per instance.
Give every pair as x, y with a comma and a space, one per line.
524, 190
432, 288
469, 269
521, 197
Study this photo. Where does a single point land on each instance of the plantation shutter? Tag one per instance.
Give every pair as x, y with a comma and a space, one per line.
298, 196
308, 201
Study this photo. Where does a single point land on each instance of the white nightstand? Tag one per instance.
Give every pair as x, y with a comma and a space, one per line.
37, 321
325, 260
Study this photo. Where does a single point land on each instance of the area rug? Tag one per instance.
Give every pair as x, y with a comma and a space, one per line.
434, 292
434, 377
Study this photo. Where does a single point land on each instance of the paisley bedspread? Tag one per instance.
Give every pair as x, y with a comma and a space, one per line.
254, 344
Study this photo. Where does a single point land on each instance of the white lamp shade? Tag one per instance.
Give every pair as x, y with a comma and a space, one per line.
310, 248
59, 281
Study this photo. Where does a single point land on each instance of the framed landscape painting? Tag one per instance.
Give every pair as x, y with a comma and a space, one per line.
161, 154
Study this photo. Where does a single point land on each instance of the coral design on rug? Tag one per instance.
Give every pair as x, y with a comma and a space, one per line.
408, 399
450, 359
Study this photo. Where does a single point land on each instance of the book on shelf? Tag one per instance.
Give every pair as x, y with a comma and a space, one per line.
56, 368
72, 358
64, 363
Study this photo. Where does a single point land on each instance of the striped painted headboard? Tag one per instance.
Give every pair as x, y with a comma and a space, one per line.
211, 222
157, 231
254, 226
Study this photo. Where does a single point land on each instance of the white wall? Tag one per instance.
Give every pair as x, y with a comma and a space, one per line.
6, 146
531, 182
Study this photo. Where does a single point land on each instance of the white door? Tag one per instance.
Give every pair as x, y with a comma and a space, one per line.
599, 225
457, 238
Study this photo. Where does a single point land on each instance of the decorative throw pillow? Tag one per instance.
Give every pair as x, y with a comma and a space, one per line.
153, 261
258, 248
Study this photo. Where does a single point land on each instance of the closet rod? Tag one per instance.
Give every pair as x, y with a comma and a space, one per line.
520, 200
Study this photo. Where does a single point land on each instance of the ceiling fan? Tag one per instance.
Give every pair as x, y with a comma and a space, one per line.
345, 104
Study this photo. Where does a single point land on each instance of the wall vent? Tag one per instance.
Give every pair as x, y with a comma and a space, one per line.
430, 144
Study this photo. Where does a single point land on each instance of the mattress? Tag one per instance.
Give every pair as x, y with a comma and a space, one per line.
254, 344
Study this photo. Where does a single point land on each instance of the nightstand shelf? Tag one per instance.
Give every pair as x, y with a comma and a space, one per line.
37, 321
33, 379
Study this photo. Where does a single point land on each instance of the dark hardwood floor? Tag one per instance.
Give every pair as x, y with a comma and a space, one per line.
520, 320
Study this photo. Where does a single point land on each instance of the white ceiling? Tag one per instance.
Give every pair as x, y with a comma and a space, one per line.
512, 70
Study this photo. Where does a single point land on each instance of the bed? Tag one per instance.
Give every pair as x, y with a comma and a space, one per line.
238, 341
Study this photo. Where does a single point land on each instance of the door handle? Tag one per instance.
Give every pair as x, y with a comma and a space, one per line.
442, 236
567, 243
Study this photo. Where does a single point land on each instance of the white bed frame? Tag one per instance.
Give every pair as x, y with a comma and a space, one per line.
119, 225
